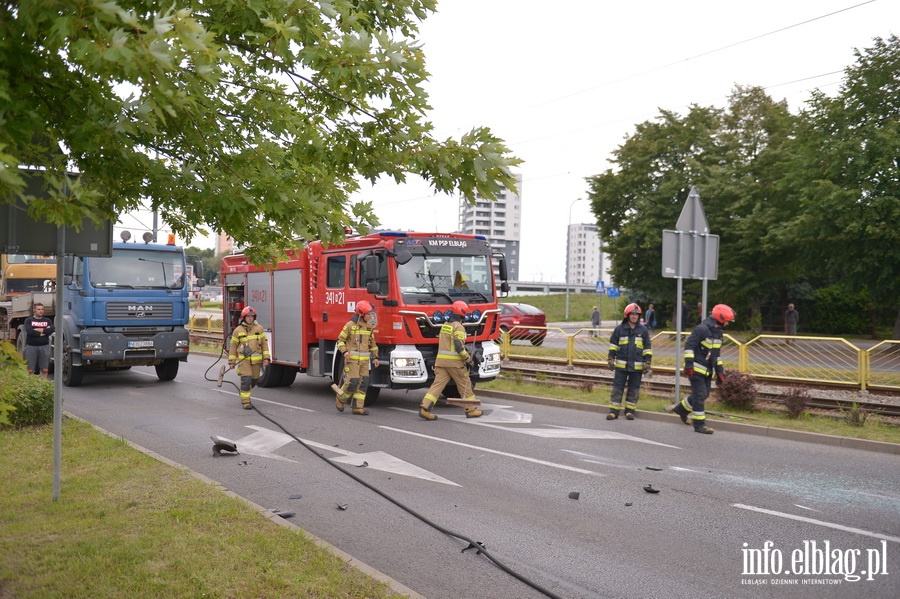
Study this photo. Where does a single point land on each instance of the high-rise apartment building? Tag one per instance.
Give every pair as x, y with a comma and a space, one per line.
585, 261
500, 222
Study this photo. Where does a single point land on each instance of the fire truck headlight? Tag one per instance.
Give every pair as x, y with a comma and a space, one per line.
182, 343
93, 345
405, 362
492, 356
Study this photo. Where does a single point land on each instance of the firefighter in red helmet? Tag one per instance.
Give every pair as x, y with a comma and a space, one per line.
357, 345
629, 358
249, 351
452, 363
702, 361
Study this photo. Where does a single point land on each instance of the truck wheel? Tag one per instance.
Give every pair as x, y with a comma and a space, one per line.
20, 341
372, 394
71, 375
270, 376
168, 370
288, 375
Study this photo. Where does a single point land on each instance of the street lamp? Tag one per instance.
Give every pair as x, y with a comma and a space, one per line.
568, 253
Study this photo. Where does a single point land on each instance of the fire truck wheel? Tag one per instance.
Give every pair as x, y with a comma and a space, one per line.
372, 395
271, 376
288, 376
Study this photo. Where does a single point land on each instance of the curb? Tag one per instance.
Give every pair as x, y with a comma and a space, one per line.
724, 425
351, 561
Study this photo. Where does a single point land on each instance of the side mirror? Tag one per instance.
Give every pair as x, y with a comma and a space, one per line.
198, 271
504, 274
372, 287
67, 280
371, 270
504, 288
68, 266
201, 283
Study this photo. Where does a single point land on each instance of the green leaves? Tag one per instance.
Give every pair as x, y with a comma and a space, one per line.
257, 119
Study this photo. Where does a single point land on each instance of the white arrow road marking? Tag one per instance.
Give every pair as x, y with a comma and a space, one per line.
497, 414
567, 432
265, 441
494, 451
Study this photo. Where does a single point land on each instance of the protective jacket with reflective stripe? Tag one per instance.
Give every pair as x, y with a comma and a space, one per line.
452, 346
703, 349
358, 340
630, 347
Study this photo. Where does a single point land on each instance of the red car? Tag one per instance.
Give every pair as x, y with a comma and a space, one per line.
516, 320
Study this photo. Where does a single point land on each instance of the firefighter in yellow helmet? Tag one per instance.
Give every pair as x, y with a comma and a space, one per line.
452, 363
357, 344
249, 351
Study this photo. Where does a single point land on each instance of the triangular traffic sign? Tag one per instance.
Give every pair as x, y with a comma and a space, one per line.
692, 218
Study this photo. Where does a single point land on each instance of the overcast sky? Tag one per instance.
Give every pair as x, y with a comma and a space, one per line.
564, 84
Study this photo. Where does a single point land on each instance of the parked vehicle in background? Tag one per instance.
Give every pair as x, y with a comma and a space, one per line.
517, 320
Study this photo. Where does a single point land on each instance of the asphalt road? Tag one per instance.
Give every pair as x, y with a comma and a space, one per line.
508, 480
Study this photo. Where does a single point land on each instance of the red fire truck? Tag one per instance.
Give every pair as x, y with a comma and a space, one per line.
410, 278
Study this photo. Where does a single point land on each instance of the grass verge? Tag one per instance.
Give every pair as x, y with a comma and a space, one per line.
127, 525
875, 429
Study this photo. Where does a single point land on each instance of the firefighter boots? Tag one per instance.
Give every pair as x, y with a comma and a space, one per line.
358, 408
613, 414
425, 410
700, 427
682, 412
246, 404
629, 414
473, 412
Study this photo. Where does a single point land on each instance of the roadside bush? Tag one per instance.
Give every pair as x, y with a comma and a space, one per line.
738, 391
25, 399
856, 416
795, 401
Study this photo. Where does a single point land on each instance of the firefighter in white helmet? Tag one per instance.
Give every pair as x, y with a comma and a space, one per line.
249, 352
629, 358
357, 345
452, 363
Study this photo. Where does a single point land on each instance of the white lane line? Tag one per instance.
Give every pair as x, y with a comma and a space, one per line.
494, 451
268, 401
859, 531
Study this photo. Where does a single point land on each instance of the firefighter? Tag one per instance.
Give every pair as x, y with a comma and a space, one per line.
452, 363
357, 344
629, 357
702, 361
249, 351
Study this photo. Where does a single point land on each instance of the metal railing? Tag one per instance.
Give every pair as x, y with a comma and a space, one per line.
201, 323
813, 360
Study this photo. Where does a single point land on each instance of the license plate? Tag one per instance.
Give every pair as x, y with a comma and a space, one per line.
148, 343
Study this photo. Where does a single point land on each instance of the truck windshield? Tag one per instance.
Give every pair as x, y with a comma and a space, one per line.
138, 269
441, 279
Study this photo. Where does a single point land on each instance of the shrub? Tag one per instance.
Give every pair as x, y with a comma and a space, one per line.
795, 401
856, 416
585, 386
738, 391
25, 399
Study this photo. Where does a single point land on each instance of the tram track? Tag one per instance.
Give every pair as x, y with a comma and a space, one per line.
664, 384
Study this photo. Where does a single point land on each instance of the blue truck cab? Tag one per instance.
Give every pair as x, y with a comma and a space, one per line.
126, 310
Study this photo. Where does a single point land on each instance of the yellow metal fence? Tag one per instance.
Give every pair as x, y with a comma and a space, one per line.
825, 360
